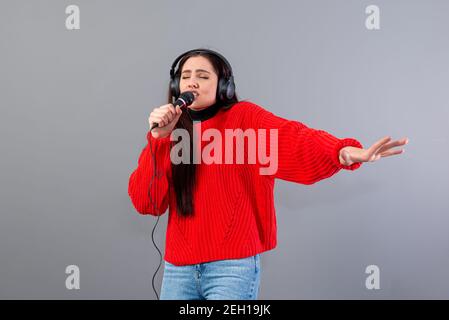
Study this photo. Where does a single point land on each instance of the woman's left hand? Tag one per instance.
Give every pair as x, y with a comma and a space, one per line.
380, 149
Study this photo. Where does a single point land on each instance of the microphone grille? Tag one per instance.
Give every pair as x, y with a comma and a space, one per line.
188, 97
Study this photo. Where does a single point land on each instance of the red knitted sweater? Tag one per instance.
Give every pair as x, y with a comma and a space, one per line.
234, 215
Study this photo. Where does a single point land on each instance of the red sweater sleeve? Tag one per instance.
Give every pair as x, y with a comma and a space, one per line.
305, 155
145, 198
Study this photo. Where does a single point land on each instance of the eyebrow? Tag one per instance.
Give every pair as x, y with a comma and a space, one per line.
197, 70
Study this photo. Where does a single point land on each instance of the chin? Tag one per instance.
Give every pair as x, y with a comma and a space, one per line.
198, 106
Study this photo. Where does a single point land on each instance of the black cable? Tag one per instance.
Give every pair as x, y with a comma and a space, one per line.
158, 216
154, 206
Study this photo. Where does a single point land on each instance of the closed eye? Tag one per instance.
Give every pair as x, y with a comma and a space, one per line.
200, 77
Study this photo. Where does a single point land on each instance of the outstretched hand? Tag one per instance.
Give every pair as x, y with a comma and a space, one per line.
380, 149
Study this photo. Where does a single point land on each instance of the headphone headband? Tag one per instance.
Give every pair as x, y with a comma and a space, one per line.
172, 70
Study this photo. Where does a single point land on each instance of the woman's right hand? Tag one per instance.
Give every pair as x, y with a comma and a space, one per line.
166, 116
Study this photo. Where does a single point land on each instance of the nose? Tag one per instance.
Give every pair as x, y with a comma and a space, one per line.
192, 84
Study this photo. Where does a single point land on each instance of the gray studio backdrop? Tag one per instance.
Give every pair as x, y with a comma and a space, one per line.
74, 110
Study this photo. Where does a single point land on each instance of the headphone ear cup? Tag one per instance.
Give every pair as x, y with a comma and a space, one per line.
230, 88
222, 89
174, 87
227, 89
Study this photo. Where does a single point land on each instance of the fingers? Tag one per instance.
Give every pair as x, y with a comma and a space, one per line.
167, 112
371, 152
392, 144
392, 152
159, 120
175, 111
382, 148
163, 115
375, 147
171, 110
385, 151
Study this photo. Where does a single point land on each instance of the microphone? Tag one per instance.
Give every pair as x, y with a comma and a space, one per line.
184, 100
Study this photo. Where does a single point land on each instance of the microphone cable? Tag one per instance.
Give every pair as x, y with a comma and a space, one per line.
158, 216
149, 196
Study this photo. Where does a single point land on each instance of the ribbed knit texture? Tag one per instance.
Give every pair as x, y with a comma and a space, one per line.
234, 213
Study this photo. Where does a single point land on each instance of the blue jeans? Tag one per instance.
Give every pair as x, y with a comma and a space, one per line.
230, 279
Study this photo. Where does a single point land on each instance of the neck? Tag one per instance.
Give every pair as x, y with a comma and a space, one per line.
204, 114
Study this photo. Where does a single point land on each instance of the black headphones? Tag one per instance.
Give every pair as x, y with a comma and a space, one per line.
226, 86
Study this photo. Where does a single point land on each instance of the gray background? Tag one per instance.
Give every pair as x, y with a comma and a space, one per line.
74, 110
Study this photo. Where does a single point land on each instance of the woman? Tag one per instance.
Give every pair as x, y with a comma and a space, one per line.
221, 213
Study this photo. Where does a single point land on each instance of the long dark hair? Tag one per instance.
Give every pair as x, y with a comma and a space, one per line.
184, 174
